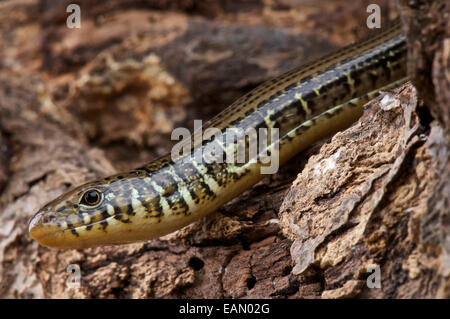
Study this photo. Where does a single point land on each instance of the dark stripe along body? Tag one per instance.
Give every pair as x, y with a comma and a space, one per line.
305, 104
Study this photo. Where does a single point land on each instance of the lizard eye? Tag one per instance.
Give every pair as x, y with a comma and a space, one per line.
91, 197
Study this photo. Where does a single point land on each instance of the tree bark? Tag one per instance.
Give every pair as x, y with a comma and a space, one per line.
77, 104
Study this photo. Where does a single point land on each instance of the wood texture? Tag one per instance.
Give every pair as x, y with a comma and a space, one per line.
79, 104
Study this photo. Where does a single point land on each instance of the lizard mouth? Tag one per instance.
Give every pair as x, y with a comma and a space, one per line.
43, 229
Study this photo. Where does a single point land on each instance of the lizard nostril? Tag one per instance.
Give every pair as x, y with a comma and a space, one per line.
42, 218
48, 218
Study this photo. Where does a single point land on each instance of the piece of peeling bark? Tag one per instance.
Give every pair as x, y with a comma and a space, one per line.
428, 32
361, 203
427, 27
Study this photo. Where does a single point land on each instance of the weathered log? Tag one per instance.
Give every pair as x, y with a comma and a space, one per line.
76, 104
